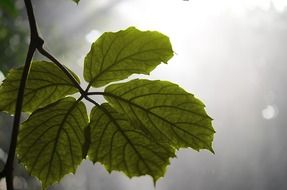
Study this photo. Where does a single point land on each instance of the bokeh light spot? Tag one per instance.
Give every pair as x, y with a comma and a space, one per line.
270, 112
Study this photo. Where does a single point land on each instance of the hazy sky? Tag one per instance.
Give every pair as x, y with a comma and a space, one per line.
229, 53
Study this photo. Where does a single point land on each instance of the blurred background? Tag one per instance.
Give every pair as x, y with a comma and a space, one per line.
229, 53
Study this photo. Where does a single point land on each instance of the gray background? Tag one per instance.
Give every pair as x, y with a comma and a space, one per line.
230, 54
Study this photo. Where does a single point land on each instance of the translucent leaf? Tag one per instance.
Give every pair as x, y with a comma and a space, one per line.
76, 1
46, 84
50, 143
165, 111
116, 143
115, 56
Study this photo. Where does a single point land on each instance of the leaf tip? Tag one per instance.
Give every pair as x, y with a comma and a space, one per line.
154, 182
211, 150
109, 169
76, 1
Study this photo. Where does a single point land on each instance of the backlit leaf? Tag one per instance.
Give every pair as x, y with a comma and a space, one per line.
165, 111
76, 1
50, 143
117, 55
46, 84
119, 145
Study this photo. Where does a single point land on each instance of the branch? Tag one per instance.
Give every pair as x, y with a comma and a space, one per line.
32, 20
62, 67
96, 93
35, 42
11, 156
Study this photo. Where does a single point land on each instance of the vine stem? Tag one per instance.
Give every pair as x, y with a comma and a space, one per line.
63, 68
12, 149
36, 43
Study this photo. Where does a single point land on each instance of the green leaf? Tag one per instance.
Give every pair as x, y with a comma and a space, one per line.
50, 143
46, 84
116, 56
118, 145
76, 1
165, 111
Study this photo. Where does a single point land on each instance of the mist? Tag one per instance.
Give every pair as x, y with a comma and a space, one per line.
231, 56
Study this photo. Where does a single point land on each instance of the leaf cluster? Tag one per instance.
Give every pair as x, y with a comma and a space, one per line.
136, 131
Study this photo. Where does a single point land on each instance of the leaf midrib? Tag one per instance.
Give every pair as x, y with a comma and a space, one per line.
156, 115
57, 138
126, 137
116, 62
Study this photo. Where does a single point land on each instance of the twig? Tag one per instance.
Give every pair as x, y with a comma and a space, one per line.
62, 67
35, 42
